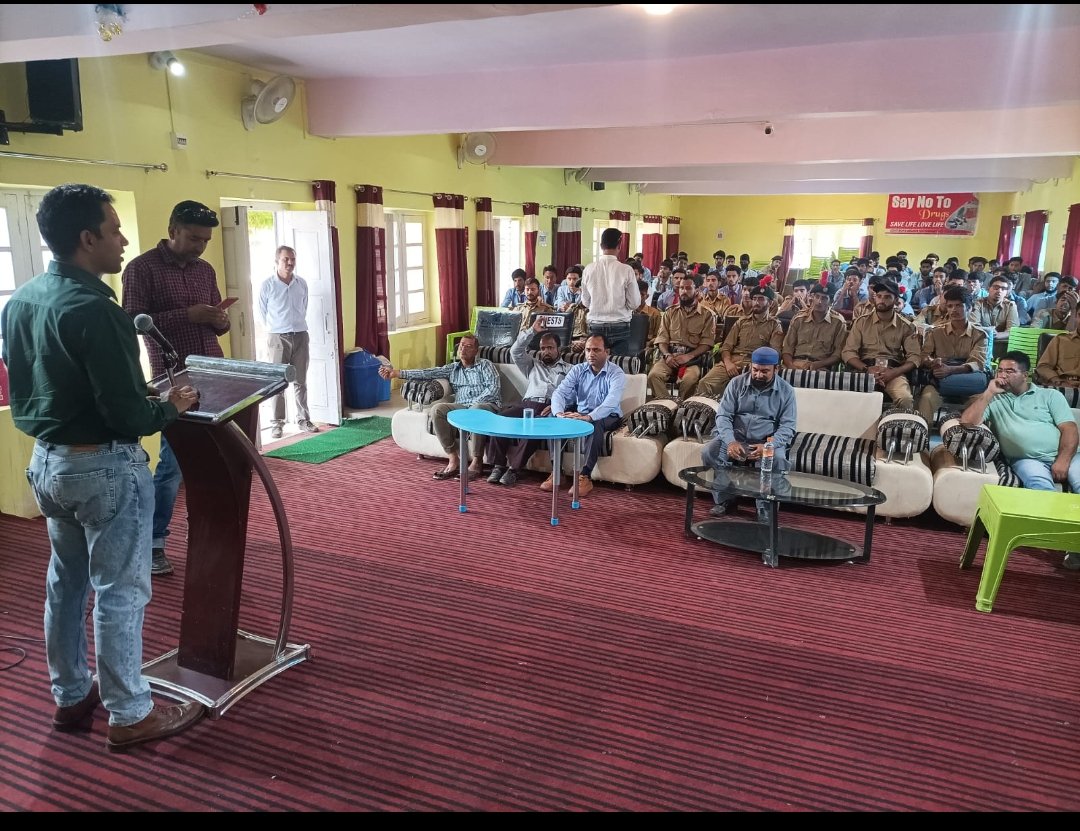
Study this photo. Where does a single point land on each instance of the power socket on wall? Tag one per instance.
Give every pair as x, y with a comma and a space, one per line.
179, 141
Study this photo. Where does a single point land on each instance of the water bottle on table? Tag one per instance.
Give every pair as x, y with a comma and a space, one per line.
767, 450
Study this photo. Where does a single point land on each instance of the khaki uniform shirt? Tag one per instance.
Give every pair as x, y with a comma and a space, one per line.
749, 333
1000, 318
867, 307
870, 339
813, 340
969, 345
717, 305
655, 316
689, 329
527, 309
1061, 358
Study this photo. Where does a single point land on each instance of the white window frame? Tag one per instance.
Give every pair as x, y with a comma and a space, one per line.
598, 228
26, 250
509, 251
397, 269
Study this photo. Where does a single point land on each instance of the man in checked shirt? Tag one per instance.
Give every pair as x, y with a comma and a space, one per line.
179, 290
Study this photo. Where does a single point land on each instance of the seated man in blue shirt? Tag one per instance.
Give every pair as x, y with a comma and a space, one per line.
755, 405
1035, 427
592, 391
515, 295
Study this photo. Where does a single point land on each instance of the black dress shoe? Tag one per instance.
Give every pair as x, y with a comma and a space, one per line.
161, 723
77, 716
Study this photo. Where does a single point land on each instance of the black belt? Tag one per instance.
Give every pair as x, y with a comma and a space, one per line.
88, 448
804, 357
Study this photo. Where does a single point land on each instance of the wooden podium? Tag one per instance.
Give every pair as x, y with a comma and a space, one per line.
216, 662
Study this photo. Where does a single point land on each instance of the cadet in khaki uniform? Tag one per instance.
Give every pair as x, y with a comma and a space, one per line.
687, 331
955, 354
711, 299
1059, 364
885, 345
815, 338
653, 313
750, 332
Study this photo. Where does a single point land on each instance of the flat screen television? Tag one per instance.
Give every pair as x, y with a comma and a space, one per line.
53, 94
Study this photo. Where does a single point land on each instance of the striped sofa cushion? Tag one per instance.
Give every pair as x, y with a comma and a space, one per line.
652, 419
423, 393
965, 442
828, 379
840, 457
1006, 475
900, 429
495, 354
630, 364
1072, 395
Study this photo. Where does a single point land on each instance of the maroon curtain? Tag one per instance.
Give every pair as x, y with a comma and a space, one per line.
1070, 260
324, 192
621, 220
1006, 235
486, 284
787, 251
372, 328
531, 224
568, 238
1032, 240
866, 244
672, 236
652, 243
453, 267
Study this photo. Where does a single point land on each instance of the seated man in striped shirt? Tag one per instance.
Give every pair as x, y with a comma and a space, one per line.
475, 383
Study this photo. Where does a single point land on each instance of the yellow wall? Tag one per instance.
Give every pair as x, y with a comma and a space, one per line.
1054, 196
755, 224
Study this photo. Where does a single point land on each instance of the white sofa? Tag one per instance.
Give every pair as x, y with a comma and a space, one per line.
631, 461
907, 485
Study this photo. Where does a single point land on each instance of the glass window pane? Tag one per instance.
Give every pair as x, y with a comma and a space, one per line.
5, 233
416, 302
7, 271
415, 279
414, 256
414, 233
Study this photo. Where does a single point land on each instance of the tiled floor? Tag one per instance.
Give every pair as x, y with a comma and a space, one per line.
294, 434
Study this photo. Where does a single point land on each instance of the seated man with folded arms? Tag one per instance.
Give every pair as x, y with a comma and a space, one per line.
710, 297
1035, 427
758, 329
544, 372
955, 354
475, 383
885, 345
815, 338
687, 331
534, 304
996, 310
796, 303
756, 405
592, 391
1059, 364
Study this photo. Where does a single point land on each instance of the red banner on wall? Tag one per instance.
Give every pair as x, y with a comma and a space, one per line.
938, 214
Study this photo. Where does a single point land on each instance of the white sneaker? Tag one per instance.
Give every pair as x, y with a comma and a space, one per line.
276, 432
307, 427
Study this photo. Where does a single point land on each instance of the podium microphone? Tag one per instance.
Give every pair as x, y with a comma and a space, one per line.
145, 324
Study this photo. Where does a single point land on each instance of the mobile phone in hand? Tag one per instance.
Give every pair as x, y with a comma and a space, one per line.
228, 301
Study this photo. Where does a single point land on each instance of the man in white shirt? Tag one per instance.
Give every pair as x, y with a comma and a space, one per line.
609, 291
283, 300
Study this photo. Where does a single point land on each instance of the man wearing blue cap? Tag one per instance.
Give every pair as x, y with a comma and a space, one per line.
755, 405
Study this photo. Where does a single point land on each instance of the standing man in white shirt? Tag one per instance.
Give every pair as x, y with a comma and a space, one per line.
609, 291
283, 301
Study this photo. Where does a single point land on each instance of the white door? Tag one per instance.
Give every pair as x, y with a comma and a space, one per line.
249, 259
308, 233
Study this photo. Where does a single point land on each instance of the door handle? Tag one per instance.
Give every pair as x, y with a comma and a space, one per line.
326, 324
243, 328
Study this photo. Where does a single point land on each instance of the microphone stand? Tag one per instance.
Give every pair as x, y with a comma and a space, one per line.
171, 359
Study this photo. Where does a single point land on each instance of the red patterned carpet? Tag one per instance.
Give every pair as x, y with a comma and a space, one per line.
490, 662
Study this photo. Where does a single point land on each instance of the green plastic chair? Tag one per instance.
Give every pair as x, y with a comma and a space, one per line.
453, 337
1025, 339
1013, 517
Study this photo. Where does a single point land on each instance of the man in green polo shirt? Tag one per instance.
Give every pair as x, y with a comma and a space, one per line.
77, 387
1035, 427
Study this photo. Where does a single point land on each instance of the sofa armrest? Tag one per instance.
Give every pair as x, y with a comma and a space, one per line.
652, 419
973, 447
695, 418
420, 394
902, 433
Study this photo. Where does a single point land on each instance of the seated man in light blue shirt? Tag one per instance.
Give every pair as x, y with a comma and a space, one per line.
592, 391
756, 405
569, 292
1035, 427
515, 295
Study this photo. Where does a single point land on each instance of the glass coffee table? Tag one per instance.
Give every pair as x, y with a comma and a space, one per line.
792, 488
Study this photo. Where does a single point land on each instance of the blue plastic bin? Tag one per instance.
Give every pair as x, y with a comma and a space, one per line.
362, 382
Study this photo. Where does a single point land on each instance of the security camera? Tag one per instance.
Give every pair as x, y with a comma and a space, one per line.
768, 129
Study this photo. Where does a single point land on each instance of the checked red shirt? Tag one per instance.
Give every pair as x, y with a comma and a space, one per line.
156, 284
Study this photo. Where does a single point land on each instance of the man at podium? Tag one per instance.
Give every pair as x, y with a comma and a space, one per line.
77, 387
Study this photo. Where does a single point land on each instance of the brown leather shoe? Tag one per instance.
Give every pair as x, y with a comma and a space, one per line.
585, 485
161, 723
77, 716
548, 483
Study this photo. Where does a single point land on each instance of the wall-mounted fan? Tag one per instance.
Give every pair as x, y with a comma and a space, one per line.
267, 102
475, 148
